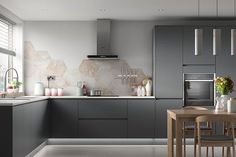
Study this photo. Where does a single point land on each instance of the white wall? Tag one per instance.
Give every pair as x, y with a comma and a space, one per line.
73, 41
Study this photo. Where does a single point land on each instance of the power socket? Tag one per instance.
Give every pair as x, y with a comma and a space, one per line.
51, 77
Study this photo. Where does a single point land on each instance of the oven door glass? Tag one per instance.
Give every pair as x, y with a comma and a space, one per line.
198, 93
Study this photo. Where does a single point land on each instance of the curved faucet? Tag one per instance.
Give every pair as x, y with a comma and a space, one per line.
5, 78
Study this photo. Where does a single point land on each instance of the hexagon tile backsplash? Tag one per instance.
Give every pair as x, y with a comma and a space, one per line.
98, 74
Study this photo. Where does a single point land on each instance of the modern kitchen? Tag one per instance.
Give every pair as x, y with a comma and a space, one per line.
117, 78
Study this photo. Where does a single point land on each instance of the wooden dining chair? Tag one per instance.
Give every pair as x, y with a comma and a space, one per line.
225, 130
188, 129
215, 140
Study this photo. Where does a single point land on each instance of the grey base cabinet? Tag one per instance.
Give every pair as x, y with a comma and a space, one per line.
102, 128
161, 114
102, 118
141, 118
64, 118
40, 125
30, 127
22, 130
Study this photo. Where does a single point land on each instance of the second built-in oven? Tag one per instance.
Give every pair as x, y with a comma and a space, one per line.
199, 89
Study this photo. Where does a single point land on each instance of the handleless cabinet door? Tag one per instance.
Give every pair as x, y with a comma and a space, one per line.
141, 118
205, 55
40, 122
161, 114
102, 128
225, 62
102, 108
64, 118
22, 143
168, 61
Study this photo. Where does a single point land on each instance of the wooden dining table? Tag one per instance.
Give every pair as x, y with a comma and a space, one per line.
179, 116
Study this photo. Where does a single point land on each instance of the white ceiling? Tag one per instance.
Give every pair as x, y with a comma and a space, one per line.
118, 9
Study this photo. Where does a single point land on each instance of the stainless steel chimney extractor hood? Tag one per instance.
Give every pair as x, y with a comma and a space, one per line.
103, 41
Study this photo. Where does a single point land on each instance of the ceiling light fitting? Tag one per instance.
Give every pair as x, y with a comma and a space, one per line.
216, 41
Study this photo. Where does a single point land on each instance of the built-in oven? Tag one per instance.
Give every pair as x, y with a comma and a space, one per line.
199, 89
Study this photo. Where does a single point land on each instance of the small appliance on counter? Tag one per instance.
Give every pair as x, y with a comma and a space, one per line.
38, 89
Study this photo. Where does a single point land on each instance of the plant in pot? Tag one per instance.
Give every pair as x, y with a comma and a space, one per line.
224, 86
14, 86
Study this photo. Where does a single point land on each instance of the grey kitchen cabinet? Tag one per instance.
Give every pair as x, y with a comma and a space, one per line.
6, 131
102, 128
22, 130
29, 126
40, 122
168, 61
64, 118
102, 118
225, 62
162, 105
102, 108
205, 55
141, 118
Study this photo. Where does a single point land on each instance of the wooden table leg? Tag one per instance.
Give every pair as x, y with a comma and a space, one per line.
178, 136
170, 136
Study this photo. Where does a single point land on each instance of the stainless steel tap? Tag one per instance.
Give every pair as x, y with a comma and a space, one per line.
5, 78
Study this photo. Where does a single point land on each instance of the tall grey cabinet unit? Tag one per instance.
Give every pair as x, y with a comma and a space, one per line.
162, 106
64, 118
141, 118
168, 61
225, 62
205, 55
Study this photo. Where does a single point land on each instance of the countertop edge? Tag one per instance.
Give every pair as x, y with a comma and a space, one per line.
40, 98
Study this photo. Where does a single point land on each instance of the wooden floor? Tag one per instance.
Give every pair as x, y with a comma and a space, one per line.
111, 151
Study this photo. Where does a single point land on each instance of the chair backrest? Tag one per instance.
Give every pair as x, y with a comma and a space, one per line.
226, 120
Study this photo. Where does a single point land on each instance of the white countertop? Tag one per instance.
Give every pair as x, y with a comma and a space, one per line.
102, 97
29, 99
21, 100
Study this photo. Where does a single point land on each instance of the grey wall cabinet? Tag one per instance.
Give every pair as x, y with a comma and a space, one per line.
22, 130
161, 114
102, 118
141, 118
168, 61
64, 118
205, 55
225, 63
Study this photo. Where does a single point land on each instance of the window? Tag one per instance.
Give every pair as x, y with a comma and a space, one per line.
6, 48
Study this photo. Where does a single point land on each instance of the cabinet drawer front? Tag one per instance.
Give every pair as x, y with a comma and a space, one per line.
102, 128
102, 109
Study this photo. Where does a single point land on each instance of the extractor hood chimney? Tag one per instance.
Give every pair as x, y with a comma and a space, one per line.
103, 41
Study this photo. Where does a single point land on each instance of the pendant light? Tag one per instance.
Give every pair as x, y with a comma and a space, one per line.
198, 38
216, 35
198, 41
216, 41
233, 40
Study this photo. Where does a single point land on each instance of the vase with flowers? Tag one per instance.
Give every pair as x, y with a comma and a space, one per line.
224, 86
